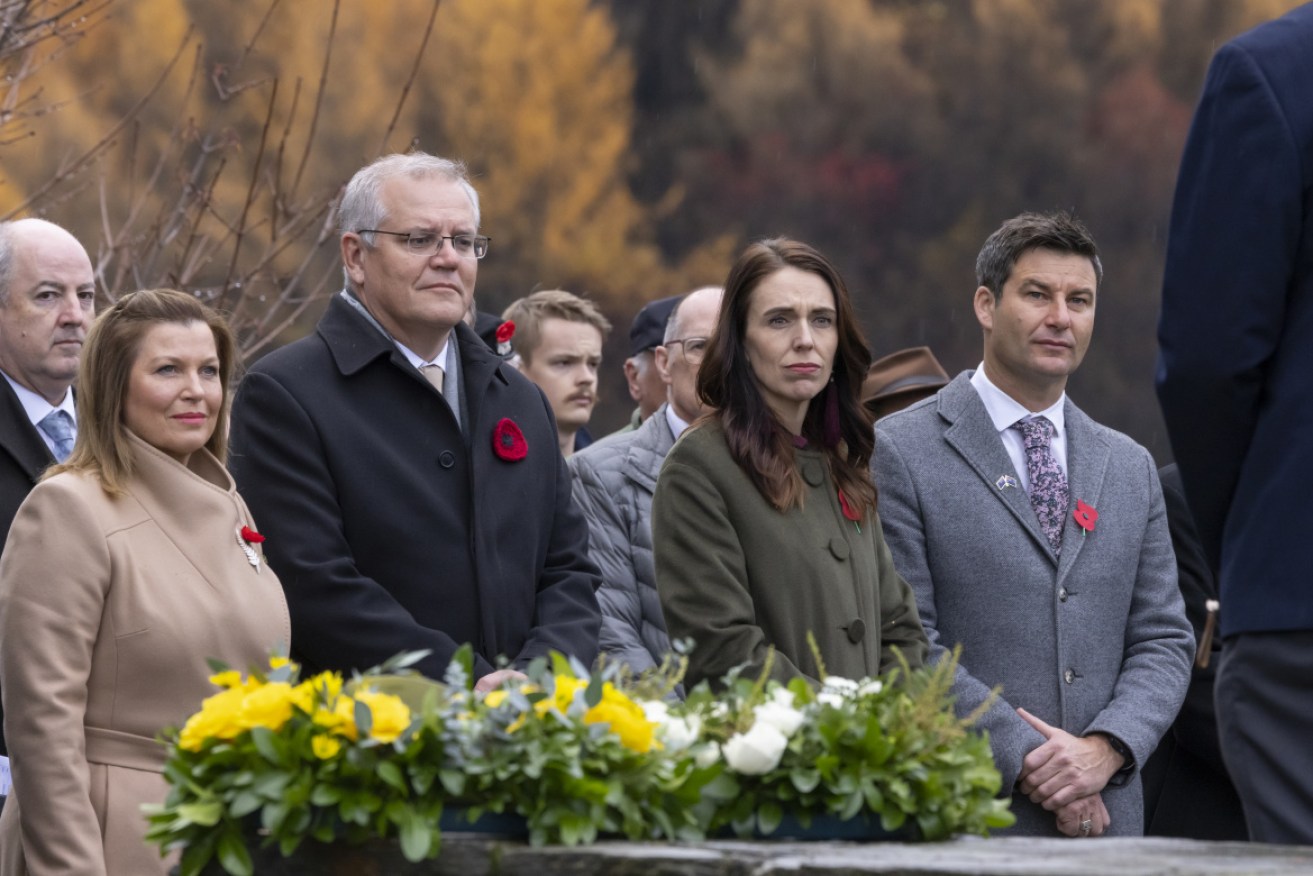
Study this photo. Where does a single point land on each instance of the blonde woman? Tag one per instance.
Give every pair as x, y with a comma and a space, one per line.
126, 567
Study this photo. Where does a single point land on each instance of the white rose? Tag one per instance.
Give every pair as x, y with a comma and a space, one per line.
655, 711
783, 718
783, 696
756, 752
830, 698
707, 755
870, 686
680, 733
840, 685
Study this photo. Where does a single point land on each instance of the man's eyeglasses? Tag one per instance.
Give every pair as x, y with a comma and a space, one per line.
695, 349
428, 244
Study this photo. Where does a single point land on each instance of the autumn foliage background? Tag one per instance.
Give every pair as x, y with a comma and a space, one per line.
624, 149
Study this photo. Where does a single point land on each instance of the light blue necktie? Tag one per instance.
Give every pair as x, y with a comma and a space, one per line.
59, 426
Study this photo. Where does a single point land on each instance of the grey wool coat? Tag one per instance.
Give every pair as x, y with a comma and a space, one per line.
613, 483
1094, 641
738, 576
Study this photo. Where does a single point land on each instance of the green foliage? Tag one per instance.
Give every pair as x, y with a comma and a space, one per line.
571, 752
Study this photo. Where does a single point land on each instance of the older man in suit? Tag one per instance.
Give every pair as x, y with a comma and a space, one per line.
407, 478
47, 302
616, 478
1236, 384
1037, 540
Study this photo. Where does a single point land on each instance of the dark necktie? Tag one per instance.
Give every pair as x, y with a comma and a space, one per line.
59, 426
1048, 485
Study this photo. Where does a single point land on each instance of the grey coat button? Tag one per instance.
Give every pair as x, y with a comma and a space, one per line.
1062, 594
856, 631
839, 548
813, 473
1069, 676
446, 459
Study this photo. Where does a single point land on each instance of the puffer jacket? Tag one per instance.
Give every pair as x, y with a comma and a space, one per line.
613, 483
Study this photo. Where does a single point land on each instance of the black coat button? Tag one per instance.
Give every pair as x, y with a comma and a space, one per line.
856, 631
446, 459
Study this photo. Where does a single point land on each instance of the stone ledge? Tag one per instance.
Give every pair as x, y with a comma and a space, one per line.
479, 855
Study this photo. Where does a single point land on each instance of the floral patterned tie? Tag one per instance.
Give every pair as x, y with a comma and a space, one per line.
1048, 485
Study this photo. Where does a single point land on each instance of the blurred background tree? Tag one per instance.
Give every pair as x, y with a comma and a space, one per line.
624, 150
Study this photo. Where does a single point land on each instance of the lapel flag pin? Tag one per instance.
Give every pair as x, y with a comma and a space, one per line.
1005, 481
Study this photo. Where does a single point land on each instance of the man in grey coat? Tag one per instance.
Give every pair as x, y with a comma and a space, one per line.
1037, 539
614, 480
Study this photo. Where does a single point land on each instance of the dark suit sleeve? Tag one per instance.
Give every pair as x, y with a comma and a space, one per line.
1196, 726
1236, 224
340, 616
567, 617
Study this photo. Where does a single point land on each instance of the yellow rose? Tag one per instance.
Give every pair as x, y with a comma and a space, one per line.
495, 698
230, 678
324, 687
625, 717
219, 718
325, 746
566, 686
390, 715
341, 718
268, 706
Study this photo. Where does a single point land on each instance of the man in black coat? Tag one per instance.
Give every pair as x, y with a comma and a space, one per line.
407, 479
47, 301
1235, 380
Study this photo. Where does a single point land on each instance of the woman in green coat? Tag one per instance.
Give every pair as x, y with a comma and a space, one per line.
764, 518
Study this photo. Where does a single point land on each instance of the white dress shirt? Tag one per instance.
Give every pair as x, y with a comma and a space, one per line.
1004, 411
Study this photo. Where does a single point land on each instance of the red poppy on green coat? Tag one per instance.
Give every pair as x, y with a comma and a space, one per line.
508, 441
848, 510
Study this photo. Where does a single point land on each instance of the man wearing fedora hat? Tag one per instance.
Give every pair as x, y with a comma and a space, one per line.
895, 381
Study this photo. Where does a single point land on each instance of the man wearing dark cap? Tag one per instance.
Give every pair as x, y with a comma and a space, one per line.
641, 374
900, 379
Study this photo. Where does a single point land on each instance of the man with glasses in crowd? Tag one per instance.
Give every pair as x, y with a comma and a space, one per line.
407, 478
614, 481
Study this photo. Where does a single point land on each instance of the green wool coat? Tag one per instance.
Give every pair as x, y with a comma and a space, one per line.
737, 576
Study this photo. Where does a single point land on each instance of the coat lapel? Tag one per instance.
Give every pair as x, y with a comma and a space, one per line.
479, 366
18, 437
1087, 464
972, 434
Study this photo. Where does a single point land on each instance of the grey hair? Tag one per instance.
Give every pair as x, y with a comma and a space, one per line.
6, 259
1059, 231
7, 250
361, 206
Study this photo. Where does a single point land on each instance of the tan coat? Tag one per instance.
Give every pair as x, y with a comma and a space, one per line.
109, 608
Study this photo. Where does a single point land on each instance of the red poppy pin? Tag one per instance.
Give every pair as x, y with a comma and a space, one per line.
250, 536
505, 332
508, 441
1085, 515
848, 510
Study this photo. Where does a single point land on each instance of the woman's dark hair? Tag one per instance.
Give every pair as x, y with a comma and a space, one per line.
757, 440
